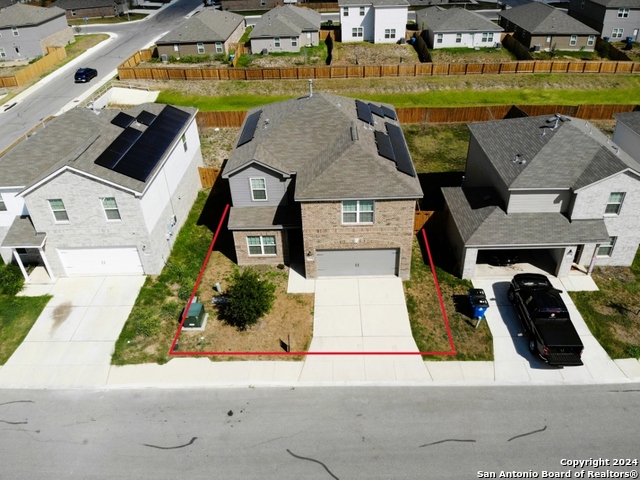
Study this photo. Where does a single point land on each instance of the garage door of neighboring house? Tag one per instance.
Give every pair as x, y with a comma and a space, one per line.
101, 261
357, 262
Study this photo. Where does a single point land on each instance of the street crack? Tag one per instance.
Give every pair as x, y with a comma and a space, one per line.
17, 401
447, 440
312, 460
171, 448
13, 423
529, 433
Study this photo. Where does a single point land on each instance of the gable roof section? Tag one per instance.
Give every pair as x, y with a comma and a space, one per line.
207, 26
333, 154
74, 141
542, 19
19, 15
630, 119
286, 21
374, 3
80, 4
528, 153
442, 20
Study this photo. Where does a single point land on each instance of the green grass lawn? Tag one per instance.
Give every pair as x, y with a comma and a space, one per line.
18, 316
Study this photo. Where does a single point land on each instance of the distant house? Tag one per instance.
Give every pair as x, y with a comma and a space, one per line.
376, 21
324, 181
616, 19
457, 28
92, 8
540, 26
285, 29
240, 5
208, 32
100, 194
554, 187
26, 31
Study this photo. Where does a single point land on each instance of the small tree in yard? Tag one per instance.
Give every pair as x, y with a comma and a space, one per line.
249, 299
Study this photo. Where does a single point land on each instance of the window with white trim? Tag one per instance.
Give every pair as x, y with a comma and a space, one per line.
200, 47
573, 40
345, 12
458, 38
219, 47
58, 210
614, 204
606, 249
389, 33
439, 38
487, 37
184, 142
548, 38
15, 31
357, 211
2, 53
73, 13
276, 41
261, 245
110, 208
357, 32
362, 11
617, 32
623, 12
176, 48
294, 41
591, 40
3, 206
263, 3
258, 189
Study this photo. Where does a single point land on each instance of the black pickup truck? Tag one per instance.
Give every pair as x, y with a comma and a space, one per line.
545, 319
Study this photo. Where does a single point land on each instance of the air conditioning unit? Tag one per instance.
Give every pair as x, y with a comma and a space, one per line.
498, 45
164, 57
537, 48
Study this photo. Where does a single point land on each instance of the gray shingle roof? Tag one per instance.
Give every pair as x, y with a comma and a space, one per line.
75, 139
439, 19
572, 156
22, 234
263, 218
208, 26
618, 3
630, 119
482, 222
286, 21
22, 15
542, 19
312, 137
80, 4
375, 3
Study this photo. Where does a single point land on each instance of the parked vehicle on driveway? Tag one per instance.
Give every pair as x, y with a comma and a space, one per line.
85, 74
546, 320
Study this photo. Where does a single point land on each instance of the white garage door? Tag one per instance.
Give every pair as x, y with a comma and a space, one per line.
357, 262
101, 261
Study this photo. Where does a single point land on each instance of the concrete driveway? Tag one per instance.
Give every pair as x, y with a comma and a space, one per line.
73, 339
362, 314
514, 362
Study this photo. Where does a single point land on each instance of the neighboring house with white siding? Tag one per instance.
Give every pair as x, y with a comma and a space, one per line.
614, 19
375, 21
457, 28
553, 186
100, 194
285, 29
326, 182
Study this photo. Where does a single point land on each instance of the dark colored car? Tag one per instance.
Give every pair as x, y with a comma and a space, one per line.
503, 258
85, 74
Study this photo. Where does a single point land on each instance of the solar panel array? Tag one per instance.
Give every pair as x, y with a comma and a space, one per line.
400, 150
249, 129
385, 149
146, 118
388, 112
122, 120
135, 153
376, 109
364, 113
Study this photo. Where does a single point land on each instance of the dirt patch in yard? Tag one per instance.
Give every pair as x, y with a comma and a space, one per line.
216, 144
289, 323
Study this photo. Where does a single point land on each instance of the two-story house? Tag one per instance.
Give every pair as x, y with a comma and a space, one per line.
457, 28
26, 31
285, 29
554, 186
375, 21
100, 193
80, 9
326, 181
614, 19
209, 32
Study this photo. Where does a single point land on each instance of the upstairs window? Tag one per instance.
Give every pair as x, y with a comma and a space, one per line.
111, 208
362, 11
258, 189
623, 13
614, 204
345, 12
357, 211
58, 210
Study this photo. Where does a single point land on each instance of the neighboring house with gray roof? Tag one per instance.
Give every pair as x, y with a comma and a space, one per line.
555, 187
26, 31
100, 193
79, 9
614, 19
285, 29
375, 21
209, 32
457, 28
540, 26
326, 182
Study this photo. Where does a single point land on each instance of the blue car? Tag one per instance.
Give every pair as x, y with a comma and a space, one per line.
85, 74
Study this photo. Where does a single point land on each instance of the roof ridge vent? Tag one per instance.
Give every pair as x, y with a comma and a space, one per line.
354, 132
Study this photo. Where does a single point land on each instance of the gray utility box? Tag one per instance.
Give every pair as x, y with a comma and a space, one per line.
195, 317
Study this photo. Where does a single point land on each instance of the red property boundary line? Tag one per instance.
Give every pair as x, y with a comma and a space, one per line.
172, 350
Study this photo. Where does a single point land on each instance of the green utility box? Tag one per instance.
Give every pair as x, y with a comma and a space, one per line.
195, 317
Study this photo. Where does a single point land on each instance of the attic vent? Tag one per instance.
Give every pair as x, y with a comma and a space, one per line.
556, 119
354, 133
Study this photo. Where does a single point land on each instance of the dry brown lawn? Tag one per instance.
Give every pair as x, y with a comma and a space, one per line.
216, 144
469, 55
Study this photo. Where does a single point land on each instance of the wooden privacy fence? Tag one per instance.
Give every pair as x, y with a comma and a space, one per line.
53, 56
450, 114
208, 176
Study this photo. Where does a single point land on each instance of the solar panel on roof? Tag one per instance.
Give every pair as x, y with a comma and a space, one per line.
122, 120
364, 113
384, 145
118, 148
388, 112
249, 129
376, 109
400, 150
146, 118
